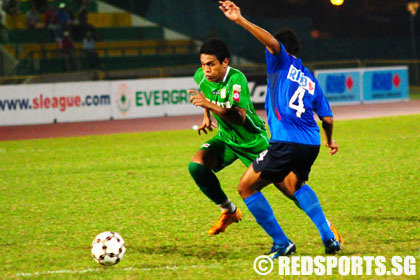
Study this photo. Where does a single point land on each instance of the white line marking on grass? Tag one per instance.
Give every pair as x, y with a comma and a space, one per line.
162, 268
58, 272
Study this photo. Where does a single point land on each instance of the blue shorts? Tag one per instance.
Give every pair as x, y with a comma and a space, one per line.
281, 158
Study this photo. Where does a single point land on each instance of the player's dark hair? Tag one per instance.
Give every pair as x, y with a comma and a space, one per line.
216, 47
289, 39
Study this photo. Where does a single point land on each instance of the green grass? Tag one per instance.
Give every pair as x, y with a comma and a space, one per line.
57, 194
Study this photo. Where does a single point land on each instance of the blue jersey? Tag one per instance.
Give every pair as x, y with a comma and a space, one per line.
293, 94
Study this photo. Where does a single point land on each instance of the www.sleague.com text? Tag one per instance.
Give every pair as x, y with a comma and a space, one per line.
60, 102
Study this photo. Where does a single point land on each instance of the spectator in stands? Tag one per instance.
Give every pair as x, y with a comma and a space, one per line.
83, 26
11, 8
50, 16
32, 18
67, 48
89, 50
2, 13
63, 16
72, 16
51, 22
82, 14
78, 30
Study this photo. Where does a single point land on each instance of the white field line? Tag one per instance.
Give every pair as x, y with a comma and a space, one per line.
162, 268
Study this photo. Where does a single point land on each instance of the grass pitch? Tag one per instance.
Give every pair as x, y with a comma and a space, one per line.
56, 195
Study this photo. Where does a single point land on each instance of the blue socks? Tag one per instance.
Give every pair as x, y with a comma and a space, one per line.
263, 213
309, 203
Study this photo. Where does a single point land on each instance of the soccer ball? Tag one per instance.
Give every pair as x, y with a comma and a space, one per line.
108, 248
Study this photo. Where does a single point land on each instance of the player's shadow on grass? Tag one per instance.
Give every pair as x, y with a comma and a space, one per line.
212, 252
373, 219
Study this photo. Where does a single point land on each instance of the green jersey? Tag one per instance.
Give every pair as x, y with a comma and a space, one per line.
233, 91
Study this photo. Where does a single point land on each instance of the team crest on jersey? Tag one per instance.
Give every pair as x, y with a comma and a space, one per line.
236, 92
297, 76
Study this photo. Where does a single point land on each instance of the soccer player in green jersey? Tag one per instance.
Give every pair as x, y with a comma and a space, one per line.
241, 132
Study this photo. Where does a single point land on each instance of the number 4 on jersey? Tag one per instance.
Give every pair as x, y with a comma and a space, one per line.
299, 94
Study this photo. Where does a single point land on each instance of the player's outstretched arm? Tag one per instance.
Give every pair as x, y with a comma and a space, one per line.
327, 126
233, 13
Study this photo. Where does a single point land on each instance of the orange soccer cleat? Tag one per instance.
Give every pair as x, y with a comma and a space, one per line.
337, 235
225, 220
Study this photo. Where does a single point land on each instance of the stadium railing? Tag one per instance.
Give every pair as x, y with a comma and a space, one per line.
188, 70
147, 54
19, 51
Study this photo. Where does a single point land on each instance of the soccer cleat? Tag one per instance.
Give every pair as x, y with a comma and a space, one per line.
225, 220
277, 250
332, 247
337, 235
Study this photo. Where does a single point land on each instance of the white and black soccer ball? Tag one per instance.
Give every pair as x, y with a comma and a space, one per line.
108, 248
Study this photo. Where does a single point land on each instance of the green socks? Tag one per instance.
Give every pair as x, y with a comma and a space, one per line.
208, 182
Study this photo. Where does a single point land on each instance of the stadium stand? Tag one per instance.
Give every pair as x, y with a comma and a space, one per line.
108, 34
119, 45
74, 5
130, 33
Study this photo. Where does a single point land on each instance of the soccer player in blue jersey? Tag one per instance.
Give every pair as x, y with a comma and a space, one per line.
241, 132
293, 94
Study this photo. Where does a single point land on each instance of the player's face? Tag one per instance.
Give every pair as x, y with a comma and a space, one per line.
212, 68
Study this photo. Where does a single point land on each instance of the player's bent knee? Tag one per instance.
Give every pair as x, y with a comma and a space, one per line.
241, 191
298, 185
195, 168
250, 183
244, 190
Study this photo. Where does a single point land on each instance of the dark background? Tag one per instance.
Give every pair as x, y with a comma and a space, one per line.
358, 29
